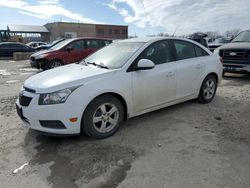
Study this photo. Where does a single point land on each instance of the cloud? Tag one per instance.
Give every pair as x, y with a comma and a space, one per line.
45, 9
184, 15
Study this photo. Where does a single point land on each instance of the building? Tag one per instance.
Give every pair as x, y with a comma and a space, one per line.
70, 30
27, 33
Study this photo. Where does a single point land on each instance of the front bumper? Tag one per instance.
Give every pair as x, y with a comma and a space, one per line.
39, 63
236, 68
53, 119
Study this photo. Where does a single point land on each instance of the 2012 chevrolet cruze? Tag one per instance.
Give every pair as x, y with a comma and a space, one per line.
120, 81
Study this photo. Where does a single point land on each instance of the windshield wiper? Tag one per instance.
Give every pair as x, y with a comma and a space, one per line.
98, 65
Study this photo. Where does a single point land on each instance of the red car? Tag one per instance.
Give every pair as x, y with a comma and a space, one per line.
66, 52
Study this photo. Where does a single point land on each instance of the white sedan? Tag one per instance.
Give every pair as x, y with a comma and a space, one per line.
120, 81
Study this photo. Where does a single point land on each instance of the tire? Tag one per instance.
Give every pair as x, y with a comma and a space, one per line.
208, 89
55, 63
106, 122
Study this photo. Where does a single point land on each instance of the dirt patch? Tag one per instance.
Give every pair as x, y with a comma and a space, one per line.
7, 105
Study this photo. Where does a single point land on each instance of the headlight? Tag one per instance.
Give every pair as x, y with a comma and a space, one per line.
216, 51
55, 97
41, 56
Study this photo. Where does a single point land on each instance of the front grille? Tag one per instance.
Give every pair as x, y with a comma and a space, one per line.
24, 101
235, 54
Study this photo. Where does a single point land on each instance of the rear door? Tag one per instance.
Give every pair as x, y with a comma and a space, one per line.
190, 68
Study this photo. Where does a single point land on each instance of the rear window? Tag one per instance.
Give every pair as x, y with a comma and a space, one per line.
184, 50
200, 52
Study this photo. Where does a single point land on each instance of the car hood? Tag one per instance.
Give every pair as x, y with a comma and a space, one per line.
41, 52
215, 44
65, 77
236, 46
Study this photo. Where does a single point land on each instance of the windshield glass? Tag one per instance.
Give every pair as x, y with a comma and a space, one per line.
221, 40
242, 37
59, 45
115, 55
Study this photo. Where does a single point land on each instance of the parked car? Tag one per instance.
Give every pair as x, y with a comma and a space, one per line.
48, 46
8, 48
66, 52
125, 79
217, 43
235, 55
35, 44
200, 38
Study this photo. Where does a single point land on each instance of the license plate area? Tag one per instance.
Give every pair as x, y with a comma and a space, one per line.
229, 68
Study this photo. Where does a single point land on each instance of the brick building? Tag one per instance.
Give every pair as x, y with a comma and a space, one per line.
70, 30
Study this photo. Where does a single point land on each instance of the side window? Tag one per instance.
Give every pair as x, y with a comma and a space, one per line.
17, 46
200, 52
93, 44
158, 52
4, 46
184, 50
76, 44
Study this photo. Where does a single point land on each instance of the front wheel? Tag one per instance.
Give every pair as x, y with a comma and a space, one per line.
208, 89
103, 117
55, 63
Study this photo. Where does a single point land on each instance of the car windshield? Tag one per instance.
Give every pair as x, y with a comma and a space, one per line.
242, 37
220, 40
59, 45
113, 56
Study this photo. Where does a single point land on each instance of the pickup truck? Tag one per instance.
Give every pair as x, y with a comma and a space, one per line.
235, 55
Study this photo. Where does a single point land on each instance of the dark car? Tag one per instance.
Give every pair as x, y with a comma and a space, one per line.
8, 48
217, 43
66, 52
48, 46
235, 55
199, 37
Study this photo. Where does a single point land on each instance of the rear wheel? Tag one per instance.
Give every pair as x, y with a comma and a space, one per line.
103, 117
208, 89
55, 63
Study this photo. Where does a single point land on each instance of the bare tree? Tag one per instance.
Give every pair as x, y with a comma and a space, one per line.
232, 33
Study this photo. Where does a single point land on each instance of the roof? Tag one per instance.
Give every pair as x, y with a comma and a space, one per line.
3, 28
149, 39
27, 29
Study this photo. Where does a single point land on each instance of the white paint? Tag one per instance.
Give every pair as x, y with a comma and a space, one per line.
12, 81
4, 72
20, 168
28, 70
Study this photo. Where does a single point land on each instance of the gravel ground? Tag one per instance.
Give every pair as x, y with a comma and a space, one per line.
186, 145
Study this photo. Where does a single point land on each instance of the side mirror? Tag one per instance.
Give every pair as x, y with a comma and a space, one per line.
145, 64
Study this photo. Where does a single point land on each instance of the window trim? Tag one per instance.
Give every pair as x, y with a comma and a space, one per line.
132, 67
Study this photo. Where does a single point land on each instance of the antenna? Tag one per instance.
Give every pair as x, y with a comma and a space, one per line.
175, 30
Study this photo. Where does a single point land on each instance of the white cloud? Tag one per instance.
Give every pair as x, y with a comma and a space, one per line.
185, 15
45, 9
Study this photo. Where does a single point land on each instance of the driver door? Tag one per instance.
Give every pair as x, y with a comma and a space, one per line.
156, 86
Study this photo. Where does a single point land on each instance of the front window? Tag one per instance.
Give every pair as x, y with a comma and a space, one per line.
242, 37
115, 55
60, 45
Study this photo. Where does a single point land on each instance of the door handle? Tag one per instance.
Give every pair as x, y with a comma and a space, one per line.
199, 66
170, 73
